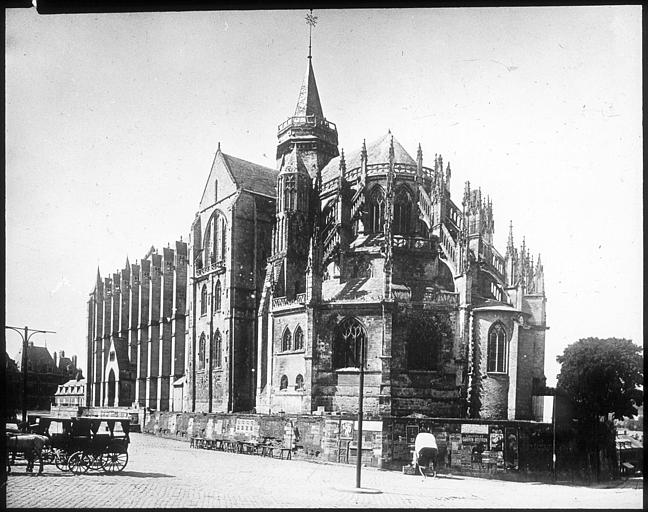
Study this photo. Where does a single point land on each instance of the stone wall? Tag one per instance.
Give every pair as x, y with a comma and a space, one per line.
465, 446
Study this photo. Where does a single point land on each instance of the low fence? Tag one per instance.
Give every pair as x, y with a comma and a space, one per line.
500, 449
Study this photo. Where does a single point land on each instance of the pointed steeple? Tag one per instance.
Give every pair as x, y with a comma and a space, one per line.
127, 263
342, 166
308, 102
98, 275
510, 247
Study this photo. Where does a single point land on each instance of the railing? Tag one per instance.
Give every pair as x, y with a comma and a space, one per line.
308, 120
353, 175
279, 302
357, 203
402, 295
214, 267
330, 185
425, 207
411, 242
447, 243
493, 259
454, 214
441, 297
330, 244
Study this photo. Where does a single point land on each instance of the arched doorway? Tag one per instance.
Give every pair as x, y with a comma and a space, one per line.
111, 388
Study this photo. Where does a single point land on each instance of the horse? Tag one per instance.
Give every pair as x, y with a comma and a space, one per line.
31, 445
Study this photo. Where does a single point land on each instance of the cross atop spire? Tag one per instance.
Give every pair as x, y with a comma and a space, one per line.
311, 21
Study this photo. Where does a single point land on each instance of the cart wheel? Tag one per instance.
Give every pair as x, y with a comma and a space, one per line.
60, 459
113, 461
48, 455
79, 463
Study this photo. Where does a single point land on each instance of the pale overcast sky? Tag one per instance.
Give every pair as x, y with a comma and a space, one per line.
112, 121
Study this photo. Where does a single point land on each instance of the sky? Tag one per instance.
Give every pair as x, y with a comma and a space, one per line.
112, 122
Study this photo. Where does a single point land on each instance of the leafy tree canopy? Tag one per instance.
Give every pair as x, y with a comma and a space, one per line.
602, 376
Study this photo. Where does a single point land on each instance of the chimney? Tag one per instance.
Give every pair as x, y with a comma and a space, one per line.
55, 363
74, 361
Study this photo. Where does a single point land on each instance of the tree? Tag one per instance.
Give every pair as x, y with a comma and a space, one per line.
601, 377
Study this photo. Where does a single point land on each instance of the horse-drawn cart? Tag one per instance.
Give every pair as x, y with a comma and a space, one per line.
82, 443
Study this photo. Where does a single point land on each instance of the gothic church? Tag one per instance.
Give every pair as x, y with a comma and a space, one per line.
295, 277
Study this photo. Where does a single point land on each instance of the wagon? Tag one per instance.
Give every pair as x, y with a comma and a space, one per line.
88, 443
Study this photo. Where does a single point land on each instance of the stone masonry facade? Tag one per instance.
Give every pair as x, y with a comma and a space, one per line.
296, 278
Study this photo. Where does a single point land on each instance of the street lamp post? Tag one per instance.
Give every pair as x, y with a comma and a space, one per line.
553, 419
360, 413
25, 342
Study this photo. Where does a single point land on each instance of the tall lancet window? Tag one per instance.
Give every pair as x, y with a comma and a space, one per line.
217, 349
201, 351
203, 300
217, 296
497, 349
376, 209
290, 192
402, 212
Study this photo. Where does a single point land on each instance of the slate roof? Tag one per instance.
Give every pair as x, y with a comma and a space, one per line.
377, 153
39, 357
250, 176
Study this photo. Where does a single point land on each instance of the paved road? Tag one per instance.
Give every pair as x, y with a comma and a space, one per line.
167, 473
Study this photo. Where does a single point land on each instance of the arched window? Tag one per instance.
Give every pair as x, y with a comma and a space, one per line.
299, 382
216, 238
402, 211
497, 349
201, 352
217, 349
290, 193
376, 209
423, 229
284, 382
203, 300
299, 339
347, 346
217, 296
286, 341
425, 339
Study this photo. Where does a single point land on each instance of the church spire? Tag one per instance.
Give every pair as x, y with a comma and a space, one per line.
308, 102
315, 136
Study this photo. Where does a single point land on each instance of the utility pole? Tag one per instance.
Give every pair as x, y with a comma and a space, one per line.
553, 419
360, 414
25, 334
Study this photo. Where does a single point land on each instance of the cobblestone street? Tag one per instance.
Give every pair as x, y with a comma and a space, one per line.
167, 473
